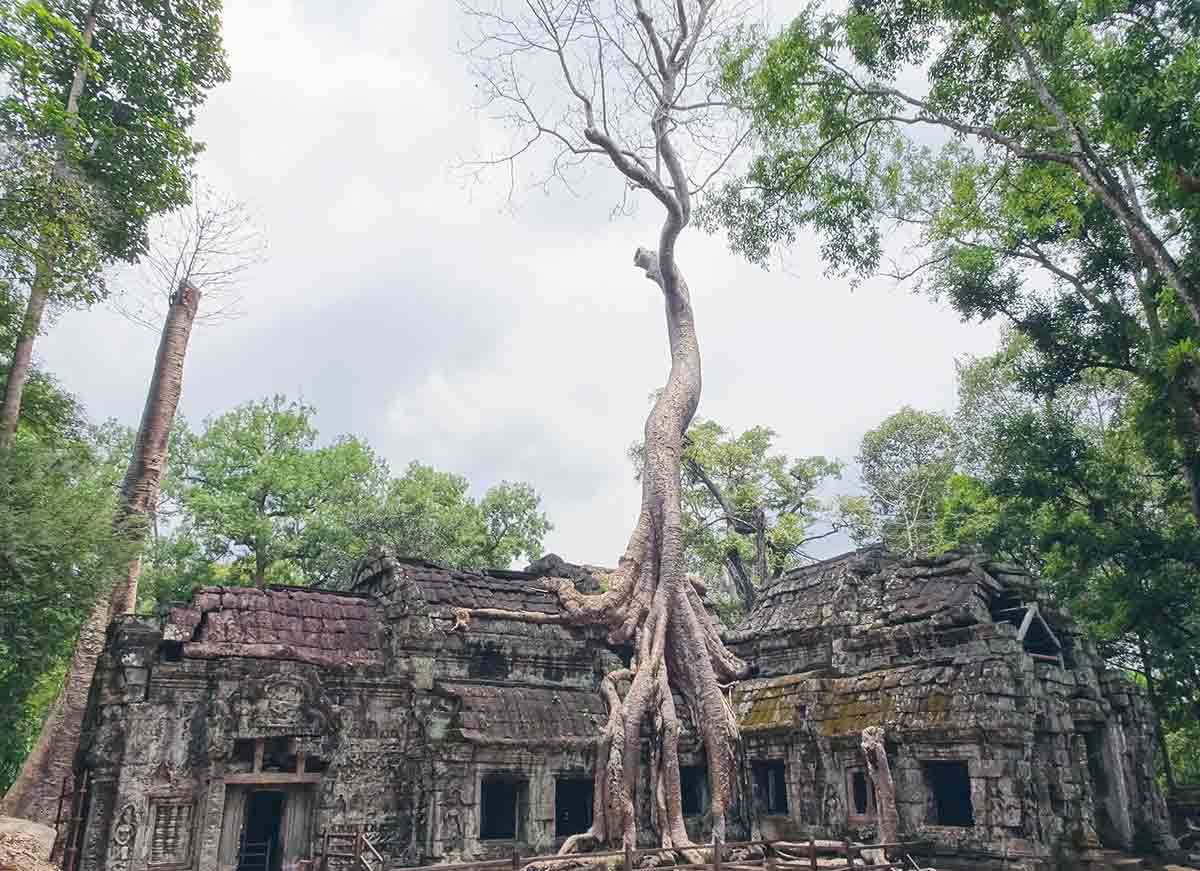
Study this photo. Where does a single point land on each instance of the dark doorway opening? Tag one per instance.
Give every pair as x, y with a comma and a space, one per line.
501, 808
693, 783
572, 805
770, 786
860, 793
259, 849
949, 787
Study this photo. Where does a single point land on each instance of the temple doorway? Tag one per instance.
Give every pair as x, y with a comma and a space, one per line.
259, 849
266, 826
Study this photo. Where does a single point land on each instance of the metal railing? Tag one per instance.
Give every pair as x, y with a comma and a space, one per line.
68, 821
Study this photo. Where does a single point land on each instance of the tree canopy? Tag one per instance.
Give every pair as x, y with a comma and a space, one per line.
905, 464
1039, 174
255, 497
749, 514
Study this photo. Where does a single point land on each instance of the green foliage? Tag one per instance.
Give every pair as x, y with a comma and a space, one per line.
1183, 745
57, 552
77, 190
747, 509
255, 498
261, 498
430, 515
906, 463
1062, 197
1064, 485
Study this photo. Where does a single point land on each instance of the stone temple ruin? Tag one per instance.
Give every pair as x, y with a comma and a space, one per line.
242, 731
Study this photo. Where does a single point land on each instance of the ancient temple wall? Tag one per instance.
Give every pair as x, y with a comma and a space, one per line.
460, 773
405, 730
168, 742
1127, 797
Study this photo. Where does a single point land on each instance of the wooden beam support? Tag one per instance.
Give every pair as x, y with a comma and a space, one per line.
271, 778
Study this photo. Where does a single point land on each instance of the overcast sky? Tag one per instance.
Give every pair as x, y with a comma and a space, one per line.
430, 317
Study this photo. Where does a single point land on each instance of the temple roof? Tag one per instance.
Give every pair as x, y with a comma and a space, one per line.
870, 587
511, 591
317, 626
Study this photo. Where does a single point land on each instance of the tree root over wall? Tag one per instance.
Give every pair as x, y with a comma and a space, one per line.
651, 601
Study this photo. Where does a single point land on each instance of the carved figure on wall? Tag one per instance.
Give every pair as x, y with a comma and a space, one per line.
281, 703
284, 699
124, 834
452, 823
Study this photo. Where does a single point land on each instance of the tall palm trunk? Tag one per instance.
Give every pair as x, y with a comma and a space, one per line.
34, 794
39, 289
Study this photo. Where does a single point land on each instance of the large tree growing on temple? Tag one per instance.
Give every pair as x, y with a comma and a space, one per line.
201, 249
631, 84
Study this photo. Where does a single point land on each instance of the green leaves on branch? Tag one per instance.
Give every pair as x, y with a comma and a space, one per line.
256, 498
749, 514
429, 514
906, 464
78, 189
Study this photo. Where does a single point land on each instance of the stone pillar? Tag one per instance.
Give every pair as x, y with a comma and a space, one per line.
221, 840
1116, 800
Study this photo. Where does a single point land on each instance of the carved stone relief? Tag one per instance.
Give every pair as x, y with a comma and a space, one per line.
124, 834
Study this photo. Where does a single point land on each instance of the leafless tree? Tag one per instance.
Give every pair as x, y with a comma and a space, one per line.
202, 249
209, 244
633, 84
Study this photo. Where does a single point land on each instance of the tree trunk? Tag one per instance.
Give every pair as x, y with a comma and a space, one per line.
881, 777
34, 794
139, 492
742, 582
39, 290
1155, 704
652, 601
22, 358
260, 567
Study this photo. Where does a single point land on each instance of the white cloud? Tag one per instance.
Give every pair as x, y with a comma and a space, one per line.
500, 343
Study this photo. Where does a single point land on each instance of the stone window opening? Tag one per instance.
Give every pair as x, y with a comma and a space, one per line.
860, 796
770, 786
280, 759
258, 849
171, 651
572, 805
693, 783
1034, 633
279, 755
503, 802
171, 833
948, 787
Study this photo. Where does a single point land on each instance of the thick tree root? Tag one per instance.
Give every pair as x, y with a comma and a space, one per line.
651, 602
